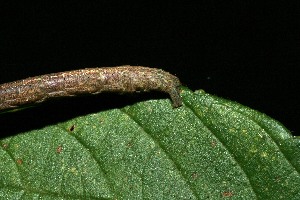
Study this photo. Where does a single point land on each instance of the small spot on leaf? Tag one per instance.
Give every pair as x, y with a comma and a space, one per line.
4, 146
19, 161
194, 175
227, 194
101, 120
129, 144
213, 143
72, 128
59, 149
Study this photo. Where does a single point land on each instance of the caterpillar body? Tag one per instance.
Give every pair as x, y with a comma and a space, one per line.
89, 81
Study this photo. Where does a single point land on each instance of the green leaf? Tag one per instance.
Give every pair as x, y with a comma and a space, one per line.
210, 148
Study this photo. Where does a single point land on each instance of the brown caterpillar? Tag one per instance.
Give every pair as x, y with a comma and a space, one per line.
89, 81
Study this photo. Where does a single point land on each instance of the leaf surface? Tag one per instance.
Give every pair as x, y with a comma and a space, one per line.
210, 148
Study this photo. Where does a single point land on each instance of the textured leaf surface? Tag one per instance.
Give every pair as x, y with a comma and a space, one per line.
210, 148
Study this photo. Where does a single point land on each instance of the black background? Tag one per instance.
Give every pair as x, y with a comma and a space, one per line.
246, 51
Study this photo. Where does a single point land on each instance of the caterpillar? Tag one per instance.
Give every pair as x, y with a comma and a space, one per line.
119, 79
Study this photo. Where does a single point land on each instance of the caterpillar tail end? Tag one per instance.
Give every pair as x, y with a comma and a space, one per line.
175, 97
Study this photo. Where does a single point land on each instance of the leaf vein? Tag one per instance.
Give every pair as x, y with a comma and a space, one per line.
231, 154
176, 165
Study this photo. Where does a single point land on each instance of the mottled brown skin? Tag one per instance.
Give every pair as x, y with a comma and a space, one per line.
89, 81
